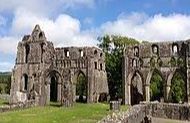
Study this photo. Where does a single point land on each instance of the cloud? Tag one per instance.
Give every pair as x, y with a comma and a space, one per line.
5, 66
150, 28
62, 31
8, 44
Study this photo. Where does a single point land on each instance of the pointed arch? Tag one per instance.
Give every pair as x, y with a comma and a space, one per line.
178, 90
136, 88
156, 81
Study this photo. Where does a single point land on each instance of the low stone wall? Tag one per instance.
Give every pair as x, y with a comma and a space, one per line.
142, 113
171, 111
11, 107
135, 114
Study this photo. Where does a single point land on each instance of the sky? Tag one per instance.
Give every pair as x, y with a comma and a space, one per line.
81, 22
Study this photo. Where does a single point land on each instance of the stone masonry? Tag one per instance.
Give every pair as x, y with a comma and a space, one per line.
140, 61
42, 72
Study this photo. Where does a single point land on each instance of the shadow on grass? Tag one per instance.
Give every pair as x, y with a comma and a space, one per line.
55, 104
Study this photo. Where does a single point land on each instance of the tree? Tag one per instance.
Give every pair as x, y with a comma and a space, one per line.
113, 47
156, 86
178, 91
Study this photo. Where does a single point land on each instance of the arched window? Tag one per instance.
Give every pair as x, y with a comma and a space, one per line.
81, 53
101, 67
40, 35
95, 65
67, 54
25, 78
136, 51
101, 54
155, 49
95, 52
42, 51
27, 50
175, 49
134, 63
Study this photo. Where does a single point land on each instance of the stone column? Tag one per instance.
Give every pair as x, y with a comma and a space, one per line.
167, 92
129, 95
90, 77
48, 93
147, 93
59, 92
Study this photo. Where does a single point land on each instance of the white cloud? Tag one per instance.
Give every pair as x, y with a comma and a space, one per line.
8, 44
63, 31
5, 66
151, 28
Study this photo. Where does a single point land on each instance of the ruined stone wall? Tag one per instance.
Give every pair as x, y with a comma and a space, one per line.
142, 113
136, 114
37, 62
142, 60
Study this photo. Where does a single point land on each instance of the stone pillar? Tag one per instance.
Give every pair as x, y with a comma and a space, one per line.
48, 93
59, 92
90, 78
147, 93
167, 92
129, 95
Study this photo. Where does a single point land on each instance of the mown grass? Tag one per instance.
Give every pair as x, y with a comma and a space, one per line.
3, 102
79, 113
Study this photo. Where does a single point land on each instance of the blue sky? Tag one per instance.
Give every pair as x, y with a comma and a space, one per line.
80, 22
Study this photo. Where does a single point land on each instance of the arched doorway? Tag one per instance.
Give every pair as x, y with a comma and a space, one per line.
136, 89
156, 86
81, 88
53, 88
178, 88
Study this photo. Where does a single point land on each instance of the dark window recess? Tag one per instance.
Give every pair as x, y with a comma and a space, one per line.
100, 66
95, 65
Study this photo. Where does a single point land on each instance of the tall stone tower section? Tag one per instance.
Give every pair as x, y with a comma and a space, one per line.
34, 52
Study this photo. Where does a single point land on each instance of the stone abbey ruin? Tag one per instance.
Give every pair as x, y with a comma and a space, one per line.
44, 73
166, 58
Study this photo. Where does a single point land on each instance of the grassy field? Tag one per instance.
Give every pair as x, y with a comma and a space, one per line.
79, 113
3, 102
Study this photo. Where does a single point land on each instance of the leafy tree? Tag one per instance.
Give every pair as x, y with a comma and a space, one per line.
156, 86
178, 91
5, 79
113, 47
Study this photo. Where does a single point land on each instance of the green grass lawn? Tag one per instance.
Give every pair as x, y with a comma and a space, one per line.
3, 102
79, 113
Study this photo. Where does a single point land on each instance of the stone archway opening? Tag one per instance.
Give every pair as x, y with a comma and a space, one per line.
136, 89
81, 88
156, 86
53, 88
177, 92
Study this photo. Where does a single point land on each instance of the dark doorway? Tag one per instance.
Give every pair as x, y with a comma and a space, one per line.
136, 89
53, 89
81, 88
